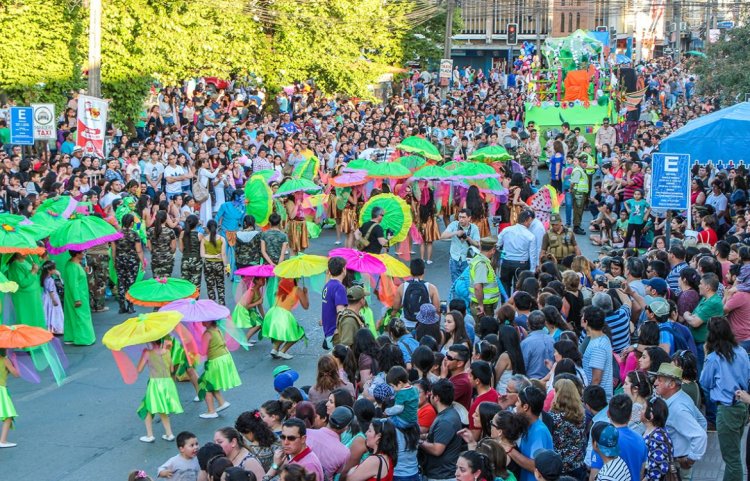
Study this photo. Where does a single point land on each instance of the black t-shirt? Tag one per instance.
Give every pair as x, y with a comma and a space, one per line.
443, 431
376, 233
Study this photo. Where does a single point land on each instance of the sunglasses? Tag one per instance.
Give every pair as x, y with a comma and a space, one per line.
284, 437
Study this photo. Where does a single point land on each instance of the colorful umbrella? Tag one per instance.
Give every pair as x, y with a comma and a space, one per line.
491, 185
142, 329
37, 230
412, 162
268, 175
7, 285
452, 165
492, 153
388, 170
17, 235
82, 232
397, 217
359, 261
302, 265
290, 186
418, 145
22, 336
359, 164
474, 170
159, 291
52, 213
350, 179
393, 266
431, 172
265, 270
258, 199
307, 169
197, 310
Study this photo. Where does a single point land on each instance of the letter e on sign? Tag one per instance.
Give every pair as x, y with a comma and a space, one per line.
670, 163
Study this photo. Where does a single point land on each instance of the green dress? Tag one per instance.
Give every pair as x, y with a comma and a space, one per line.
161, 393
78, 326
220, 373
27, 300
7, 410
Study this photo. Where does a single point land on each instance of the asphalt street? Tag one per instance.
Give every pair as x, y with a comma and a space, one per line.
87, 429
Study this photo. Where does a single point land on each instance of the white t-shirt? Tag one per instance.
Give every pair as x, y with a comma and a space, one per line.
176, 171
108, 198
152, 171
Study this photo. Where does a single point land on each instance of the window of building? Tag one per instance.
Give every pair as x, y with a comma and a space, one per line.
570, 22
562, 23
578, 20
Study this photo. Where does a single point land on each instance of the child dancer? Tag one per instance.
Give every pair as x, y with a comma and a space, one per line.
220, 373
52, 306
7, 410
161, 393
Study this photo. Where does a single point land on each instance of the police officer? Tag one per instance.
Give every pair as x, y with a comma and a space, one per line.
558, 241
485, 294
579, 187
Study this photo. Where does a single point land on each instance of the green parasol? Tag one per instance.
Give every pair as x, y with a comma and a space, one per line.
388, 170
82, 232
396, 218
418, 145
359, 164
451, 165
290, 186
18, 235
431, 172
258, 199
696, 53
160, 291
412, 162
53, 213
268, 175
492, 153
307, 169
474, 170
491, 184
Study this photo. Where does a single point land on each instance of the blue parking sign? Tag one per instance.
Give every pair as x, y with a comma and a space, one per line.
22, 126
670, 181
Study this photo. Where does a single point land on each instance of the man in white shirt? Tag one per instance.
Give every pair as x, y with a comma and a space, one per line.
115, 192
537, 228
174, 175
605, 135
519, 251
154, 172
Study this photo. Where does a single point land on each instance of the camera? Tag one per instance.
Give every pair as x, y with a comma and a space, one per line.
614, 284
461, 234
443, 307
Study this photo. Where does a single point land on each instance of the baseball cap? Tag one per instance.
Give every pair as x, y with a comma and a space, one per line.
284, 380
341, 417
555, 219
549, 464
355, 293
659, 307
606, 436
658, 284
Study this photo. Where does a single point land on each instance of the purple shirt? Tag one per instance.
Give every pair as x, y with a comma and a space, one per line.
327, 446
334, 295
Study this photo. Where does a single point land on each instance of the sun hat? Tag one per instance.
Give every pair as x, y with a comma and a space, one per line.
427, 314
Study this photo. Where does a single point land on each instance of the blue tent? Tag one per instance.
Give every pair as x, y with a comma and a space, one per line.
721, 138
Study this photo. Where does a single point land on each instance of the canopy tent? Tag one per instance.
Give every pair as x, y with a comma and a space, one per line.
721, 138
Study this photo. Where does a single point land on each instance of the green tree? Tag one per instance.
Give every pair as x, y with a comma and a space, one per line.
724, 70
424, 43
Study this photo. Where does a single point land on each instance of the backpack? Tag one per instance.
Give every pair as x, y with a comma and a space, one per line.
415, 295
683, 339
363, 241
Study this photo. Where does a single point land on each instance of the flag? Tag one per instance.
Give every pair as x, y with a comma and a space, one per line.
92, 125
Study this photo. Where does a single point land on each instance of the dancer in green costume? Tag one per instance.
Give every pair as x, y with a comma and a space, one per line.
220, 373
7, 411
161, 393
27, 300
79, 329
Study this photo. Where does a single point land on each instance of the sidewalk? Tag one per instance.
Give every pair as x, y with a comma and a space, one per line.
711, 467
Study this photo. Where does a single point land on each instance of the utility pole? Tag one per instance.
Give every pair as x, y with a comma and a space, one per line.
95, 48
678, 30
450, 10
538, 26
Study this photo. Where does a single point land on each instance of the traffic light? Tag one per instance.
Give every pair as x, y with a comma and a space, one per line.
512, 34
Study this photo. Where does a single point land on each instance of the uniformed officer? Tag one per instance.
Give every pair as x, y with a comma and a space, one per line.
558, 241
485, 293
579, 186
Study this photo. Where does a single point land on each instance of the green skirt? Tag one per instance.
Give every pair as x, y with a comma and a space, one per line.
7, 410
280, 325
220, 374
246, 318
161, 398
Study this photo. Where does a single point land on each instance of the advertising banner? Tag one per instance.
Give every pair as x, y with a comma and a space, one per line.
92, 125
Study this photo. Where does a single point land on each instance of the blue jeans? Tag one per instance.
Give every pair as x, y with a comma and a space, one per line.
413, 477
457, 267
568, 208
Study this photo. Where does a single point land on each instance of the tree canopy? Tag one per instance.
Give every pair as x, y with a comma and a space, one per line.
344, 45
724, 70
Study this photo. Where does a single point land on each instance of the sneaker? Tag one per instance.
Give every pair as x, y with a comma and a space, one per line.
8, 445
251, 343
579, 231
274, 353
428, 262
167, 438
208, 415
338, 243
223, 406
285, 355
147, 439
196, 399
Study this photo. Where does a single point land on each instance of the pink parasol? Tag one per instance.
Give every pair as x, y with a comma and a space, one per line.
349, 179
256, 271
197, 310
358, 261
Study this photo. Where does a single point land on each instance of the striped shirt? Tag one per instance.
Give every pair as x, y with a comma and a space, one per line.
598, 355
615, 470
673, 278
619, 326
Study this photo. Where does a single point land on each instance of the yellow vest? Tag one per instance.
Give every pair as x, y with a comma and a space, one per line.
491, 290
582, 187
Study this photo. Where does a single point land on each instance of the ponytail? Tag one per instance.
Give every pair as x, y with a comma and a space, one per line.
161, 218
190, 223
212, 226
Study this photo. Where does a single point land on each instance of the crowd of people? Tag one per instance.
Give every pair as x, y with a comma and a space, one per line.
540, 363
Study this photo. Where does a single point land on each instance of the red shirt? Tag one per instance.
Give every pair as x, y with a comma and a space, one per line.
708, 236
490, 396
426, 416
462, 389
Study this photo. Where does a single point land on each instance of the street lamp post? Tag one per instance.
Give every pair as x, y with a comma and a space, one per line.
95, 48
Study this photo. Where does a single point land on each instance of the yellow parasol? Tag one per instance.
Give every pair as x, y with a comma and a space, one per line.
302, 265
142, 329
393, 266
